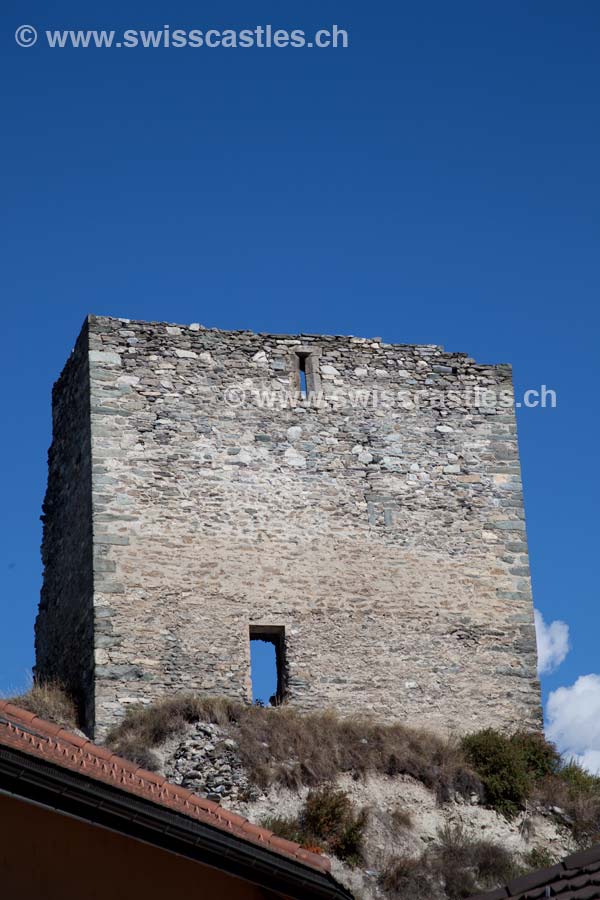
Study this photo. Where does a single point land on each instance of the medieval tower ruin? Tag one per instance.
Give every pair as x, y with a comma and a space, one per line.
357, 503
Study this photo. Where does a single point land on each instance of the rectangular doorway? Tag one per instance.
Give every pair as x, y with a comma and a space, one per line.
268, 668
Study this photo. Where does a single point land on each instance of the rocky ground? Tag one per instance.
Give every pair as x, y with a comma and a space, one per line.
404, 816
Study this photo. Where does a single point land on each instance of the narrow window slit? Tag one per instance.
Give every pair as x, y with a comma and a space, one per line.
302, 376
305, 380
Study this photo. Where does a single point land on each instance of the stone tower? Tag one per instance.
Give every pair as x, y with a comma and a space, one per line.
373, 530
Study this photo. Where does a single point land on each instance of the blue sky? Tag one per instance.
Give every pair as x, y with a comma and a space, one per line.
437, 181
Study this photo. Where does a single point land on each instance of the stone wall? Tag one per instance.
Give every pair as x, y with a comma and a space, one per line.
64, 634
382, 530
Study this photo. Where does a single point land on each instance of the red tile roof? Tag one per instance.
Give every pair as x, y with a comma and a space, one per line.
575, 878
24, 731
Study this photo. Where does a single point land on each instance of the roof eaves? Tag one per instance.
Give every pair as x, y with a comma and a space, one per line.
26, 733
74, 794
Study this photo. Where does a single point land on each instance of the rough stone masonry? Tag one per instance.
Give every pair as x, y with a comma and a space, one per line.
373, 530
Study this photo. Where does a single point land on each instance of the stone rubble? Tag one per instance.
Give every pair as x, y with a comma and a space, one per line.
206, 761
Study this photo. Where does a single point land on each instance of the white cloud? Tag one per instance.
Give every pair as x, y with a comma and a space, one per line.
552, 643
590, 760
573, 720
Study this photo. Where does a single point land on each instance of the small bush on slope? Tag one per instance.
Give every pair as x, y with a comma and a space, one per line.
290, 829
539, 858
411, 878
326, 822
526, 767
510, 766
577, 793
452, 868
501, 767
467, 865
401, 819
329, 815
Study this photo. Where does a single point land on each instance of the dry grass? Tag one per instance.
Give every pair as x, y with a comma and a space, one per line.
453, 868
147, 727
282, 746
49, 701
285, 747
401, 820
468, 866
577, 794
288, 828
409, 878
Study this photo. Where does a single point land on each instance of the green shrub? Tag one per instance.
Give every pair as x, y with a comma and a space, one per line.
541, 758
510, 766
538, 858
578, 779
526, 766
501, 765
330, 818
